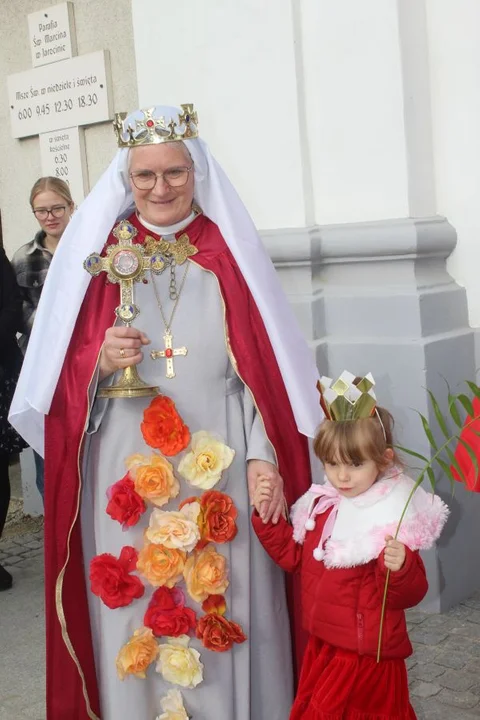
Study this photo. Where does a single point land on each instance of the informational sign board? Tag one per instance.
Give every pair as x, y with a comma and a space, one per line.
62, 154
52, 34
60, 95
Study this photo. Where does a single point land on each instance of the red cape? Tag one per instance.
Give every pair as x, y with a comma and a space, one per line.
471, 435
72, 690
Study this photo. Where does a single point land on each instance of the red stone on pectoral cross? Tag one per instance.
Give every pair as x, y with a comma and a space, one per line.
169, 353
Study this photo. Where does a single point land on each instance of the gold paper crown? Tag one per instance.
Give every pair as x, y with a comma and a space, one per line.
148, 127
346, 400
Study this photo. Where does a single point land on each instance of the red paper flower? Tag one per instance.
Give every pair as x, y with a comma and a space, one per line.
218, 634
110, 578
219, 515
124, 504
216, 519
215, 604
167, 614
163, 428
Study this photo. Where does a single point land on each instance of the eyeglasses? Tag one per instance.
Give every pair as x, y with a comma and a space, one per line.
57, 211
173, 177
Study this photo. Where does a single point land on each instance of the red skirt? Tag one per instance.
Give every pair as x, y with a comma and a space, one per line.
338, 684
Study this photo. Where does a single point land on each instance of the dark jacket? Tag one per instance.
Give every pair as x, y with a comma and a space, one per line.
30, 264
10, 319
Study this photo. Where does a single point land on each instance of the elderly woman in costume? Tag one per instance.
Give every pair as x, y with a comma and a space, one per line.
176, 379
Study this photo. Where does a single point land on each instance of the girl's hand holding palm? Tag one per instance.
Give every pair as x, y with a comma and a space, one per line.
395, 554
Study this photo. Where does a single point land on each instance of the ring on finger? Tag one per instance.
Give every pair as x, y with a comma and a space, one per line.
122, 352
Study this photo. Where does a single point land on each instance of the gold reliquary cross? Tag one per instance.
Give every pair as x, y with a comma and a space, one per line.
126, 263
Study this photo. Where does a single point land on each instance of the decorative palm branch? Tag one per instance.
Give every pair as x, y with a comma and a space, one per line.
442, 458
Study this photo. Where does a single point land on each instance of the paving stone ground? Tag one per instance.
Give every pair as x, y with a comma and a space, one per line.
444, 672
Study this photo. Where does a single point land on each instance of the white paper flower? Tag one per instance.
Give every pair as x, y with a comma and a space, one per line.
172, 706
180, 664
203, 465
172, 529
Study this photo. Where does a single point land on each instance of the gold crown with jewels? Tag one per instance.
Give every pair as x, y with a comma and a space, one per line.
147, 127
347, 398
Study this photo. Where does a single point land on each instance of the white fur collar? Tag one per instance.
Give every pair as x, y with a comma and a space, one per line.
362, 523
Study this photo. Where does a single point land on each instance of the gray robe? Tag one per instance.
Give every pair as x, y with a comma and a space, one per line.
253, 681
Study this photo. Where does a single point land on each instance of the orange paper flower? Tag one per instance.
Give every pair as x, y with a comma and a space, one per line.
216, 518
206, 574
137, 654
161, 565
153, 478
218, 634
163, 428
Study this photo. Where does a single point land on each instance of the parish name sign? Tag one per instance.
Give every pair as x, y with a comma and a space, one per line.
60, 95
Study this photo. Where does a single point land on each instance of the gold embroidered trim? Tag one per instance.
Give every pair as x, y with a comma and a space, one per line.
59, 582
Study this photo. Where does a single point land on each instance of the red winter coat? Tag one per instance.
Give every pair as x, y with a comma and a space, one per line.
341, 606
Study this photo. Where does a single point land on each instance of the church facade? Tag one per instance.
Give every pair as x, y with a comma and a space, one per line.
350, 131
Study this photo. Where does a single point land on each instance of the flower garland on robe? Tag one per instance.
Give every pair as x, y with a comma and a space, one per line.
179, 546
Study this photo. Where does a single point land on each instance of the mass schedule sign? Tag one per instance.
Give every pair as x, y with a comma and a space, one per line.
59, 95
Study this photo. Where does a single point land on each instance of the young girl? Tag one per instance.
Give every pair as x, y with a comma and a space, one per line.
341, 543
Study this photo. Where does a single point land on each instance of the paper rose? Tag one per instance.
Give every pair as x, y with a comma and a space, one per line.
206, 574
161, 565
124, 504
173, 529
153, 478
203, 465
172, 706
163, 428
180, 664
215, 604
216, 517
110, 578
137, 654
218, 634
167, 614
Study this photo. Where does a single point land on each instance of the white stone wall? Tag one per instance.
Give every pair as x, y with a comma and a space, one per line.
454, 53
302, 102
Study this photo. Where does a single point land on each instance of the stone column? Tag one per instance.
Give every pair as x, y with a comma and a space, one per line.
374, 294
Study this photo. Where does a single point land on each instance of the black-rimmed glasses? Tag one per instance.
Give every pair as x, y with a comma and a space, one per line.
173, 177
57, 211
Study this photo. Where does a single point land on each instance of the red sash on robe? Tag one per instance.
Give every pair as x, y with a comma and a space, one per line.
72, 692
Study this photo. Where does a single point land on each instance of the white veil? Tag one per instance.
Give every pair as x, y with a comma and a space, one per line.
67, 282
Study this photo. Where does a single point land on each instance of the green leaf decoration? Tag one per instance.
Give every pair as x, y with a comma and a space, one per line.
407, 451
454, 462
445, 463
474, 388
438, 414
467, 404
448, 472
471, 454
452, 407
431, 477
428, 432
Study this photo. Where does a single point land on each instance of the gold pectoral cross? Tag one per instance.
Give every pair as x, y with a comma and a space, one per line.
169, 353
